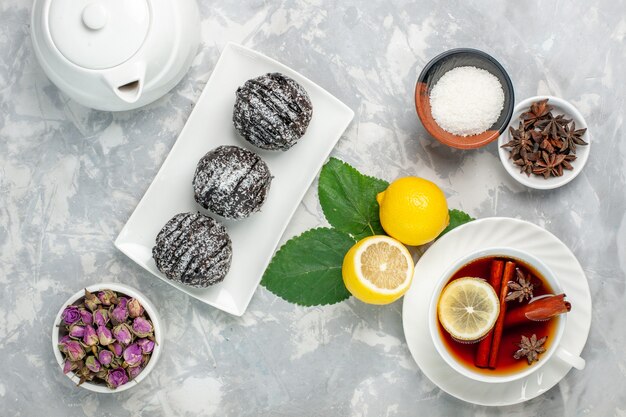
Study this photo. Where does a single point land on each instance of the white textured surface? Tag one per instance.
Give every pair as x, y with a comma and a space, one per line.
70, 177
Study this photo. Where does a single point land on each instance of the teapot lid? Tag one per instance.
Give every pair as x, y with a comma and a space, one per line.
98, 34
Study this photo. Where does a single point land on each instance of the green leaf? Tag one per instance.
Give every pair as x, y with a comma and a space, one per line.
457, 218
307, 269
348, 199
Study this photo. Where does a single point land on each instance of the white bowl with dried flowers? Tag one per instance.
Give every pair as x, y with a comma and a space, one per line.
546, 144
107, 337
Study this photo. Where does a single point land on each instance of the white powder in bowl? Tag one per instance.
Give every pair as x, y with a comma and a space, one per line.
467, 101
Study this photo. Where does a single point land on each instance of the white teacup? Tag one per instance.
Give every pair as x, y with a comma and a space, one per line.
554, 349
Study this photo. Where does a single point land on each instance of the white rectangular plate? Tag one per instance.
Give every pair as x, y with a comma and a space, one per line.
210, 125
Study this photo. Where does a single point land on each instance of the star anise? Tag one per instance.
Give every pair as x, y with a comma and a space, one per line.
520, 142
549, 165
530, 348
546, 144
538, 111
526, 162
550, 125
572, 137
522, 289
566, 162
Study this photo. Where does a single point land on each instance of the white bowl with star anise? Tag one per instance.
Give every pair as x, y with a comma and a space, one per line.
546, 144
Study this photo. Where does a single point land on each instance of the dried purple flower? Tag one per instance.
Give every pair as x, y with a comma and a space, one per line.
146, 345
116, 348
85, 316
116, 377
70, 315
74, 350
92, 363
119, 314
122, 333
134, 371
91, 301
101, 317
107, 297
122, 301
69, 366
63, 342
105, 357
90, 338
76, 331
104, 336
132, 355
142, 327
134, 308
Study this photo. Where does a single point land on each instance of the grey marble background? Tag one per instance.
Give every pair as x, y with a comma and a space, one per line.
71, 176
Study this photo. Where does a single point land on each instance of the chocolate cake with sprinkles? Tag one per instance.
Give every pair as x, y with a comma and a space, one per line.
193, 249
272, 111
232, 182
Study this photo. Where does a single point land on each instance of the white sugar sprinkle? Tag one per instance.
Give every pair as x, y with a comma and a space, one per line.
467, 101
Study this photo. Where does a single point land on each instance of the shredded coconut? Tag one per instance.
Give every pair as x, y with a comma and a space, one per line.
467, 101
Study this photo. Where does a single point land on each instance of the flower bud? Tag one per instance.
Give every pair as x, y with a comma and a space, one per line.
132, 355
105, 357
69, 366
116, 377
92, 363
63, 342
119, 313
146, 345
74, 350
134, 371
107, 297
134, 308
85, 316
90, 338
104, 336
122, 333
70, 315
76, 331
116, 348
142, 327
101, 317
91, 301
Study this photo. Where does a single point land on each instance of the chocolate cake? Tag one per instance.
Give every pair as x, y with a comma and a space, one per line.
272, 111
193, 249
232, 182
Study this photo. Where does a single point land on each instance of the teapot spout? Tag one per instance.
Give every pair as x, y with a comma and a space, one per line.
127, 85
130, 92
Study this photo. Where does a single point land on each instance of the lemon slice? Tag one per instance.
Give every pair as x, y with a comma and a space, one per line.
468, 308
377, 270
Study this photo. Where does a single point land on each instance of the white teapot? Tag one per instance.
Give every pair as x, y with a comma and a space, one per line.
115, 54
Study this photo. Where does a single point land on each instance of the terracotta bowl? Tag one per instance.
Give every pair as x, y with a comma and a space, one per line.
443, 63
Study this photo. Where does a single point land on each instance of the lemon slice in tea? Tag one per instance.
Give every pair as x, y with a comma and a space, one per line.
468, 308
377, 270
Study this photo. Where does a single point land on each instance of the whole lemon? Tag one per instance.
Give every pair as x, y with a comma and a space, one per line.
413, 210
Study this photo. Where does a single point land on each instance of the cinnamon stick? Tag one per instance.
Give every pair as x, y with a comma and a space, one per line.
481, 359
509, 269
538, 310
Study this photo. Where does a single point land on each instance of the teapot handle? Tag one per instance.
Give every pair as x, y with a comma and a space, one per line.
126, 83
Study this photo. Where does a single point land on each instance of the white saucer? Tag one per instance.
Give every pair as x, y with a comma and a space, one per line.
481, 234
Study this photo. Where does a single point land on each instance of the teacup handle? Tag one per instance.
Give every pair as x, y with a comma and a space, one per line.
571, 359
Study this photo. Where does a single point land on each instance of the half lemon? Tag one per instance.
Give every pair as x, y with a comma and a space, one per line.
377, 270
468, 308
